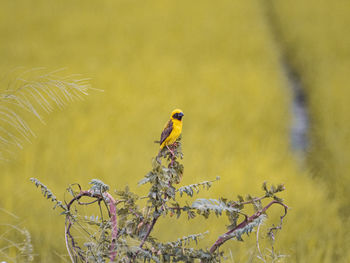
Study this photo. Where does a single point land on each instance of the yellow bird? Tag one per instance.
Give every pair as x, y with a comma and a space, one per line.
172, 129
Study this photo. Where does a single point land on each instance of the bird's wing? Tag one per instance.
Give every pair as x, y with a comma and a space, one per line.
166, 132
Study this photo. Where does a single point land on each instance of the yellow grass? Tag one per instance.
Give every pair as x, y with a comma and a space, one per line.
316, 41
217, 62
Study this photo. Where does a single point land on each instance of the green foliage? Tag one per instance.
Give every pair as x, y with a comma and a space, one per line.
98, 187
186, 240
125, 236
247, 229
204, 207
47, 193
190, 189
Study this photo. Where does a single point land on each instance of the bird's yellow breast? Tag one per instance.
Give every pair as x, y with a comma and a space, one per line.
175, 133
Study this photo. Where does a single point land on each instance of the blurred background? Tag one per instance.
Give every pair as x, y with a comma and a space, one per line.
264, 89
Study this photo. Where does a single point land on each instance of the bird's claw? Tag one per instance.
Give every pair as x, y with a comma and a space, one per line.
172, 153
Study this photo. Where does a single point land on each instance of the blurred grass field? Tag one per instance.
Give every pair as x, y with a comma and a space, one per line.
320, 50
217, 62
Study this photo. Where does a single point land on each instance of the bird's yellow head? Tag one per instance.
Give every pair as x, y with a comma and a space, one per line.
177, 115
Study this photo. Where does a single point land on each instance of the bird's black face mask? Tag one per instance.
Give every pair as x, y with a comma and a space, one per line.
178, 116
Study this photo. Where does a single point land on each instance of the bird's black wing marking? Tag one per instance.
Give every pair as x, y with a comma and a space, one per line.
166, 132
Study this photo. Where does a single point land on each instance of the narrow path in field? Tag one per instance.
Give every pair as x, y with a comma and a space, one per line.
300, 118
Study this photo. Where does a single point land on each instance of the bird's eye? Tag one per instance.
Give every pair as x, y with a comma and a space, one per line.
175, 116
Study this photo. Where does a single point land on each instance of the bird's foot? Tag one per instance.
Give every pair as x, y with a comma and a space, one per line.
172, 153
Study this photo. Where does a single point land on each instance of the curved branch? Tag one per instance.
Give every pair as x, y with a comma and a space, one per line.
223, 238
113, 211
113, 214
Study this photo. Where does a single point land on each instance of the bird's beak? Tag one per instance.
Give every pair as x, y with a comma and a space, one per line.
181, 114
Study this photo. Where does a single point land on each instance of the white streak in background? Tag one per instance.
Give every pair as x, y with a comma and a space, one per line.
300, 119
